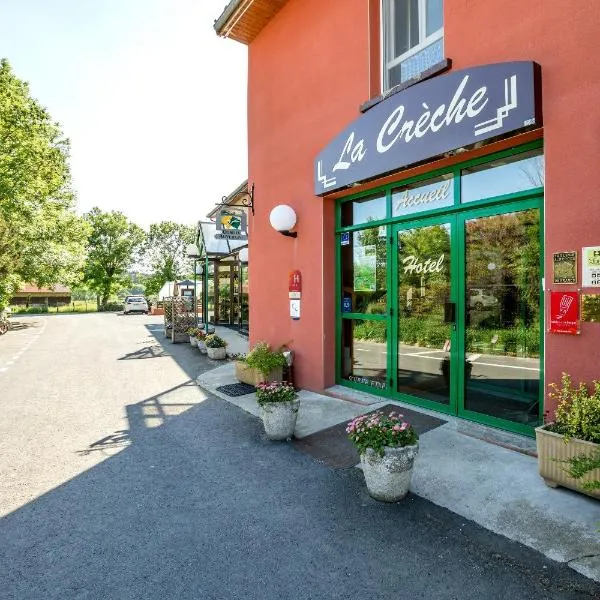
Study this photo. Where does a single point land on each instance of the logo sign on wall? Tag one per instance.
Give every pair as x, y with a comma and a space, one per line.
231, 224
590, 266
564, 312
429, 119
564, 265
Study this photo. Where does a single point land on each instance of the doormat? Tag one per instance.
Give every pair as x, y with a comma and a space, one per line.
237, 389
332, 446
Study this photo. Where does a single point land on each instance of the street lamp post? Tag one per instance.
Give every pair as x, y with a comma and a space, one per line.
194, 253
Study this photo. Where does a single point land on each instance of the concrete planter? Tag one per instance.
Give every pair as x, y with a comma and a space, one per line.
201, 345
216, 353
388, 476
246, 374
193, 341
551, 449
279, 419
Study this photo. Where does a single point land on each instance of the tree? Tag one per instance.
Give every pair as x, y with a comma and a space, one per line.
111, 250
165, 253
41, 238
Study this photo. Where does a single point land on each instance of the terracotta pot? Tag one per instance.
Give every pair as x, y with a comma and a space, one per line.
388, 476
551, 449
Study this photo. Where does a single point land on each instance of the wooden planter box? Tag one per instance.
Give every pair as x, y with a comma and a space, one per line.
245, 374
551, 449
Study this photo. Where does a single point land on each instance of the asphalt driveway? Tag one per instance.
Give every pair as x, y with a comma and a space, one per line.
131, 482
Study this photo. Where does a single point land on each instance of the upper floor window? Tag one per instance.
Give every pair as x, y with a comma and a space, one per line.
413, 38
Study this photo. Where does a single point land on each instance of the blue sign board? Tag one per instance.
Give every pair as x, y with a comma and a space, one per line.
345, 241
346, 305
429, 119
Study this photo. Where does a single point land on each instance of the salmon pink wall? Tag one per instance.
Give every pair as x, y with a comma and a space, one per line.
311, 68
308, 73
562, 37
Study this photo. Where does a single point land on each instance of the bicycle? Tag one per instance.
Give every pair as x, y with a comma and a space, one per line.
4, 323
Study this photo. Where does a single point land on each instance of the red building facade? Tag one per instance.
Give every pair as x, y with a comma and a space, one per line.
425, 278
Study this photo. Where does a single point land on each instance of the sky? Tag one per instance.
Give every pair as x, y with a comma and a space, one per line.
154, 103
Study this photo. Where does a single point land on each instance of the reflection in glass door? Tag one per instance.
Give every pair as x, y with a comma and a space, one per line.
502, 316
425, 312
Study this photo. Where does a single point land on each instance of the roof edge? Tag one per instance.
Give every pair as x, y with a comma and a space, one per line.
227, 13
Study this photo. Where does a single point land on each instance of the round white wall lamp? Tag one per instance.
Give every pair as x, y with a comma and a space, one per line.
283, 218
192, 251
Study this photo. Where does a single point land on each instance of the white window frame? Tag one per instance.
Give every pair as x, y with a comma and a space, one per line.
424, 40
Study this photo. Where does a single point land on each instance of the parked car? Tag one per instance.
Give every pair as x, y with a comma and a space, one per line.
480, 298
135, 304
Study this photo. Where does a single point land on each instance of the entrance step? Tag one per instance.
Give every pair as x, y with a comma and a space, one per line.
499, 437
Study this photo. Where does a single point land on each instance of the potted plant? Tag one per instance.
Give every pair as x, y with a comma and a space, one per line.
279, 405
260, 364
192, 334
387, 446
568, 447
201, 340
215, 347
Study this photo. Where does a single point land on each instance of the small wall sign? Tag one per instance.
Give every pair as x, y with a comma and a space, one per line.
345, 239
295, 309
590, 308
564, 312
590, 266
564, 267
231, 225
295, 282
346, 304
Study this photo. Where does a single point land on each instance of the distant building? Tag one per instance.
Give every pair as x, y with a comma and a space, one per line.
30, 295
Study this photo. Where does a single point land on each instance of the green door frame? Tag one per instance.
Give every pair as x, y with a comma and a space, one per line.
456, 215
535, 203
393, 337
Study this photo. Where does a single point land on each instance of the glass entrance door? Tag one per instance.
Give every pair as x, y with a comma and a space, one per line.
467, 315
426, 313
502, 308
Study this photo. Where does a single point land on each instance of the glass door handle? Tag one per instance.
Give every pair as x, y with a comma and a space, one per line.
450, 313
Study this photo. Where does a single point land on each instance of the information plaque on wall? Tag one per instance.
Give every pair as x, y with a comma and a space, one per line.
590, 266
564, 312
564, 267
590, 308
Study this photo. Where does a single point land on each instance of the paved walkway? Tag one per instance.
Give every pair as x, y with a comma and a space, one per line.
474, 471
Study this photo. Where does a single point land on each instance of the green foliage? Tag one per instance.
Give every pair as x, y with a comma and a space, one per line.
374, 331
111, 249
29, 310
198, 333
214, 341
164, 254
376, 308
265, 360
581, 465
276, 391
577, 414
377, 430
41, 238
110, 307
